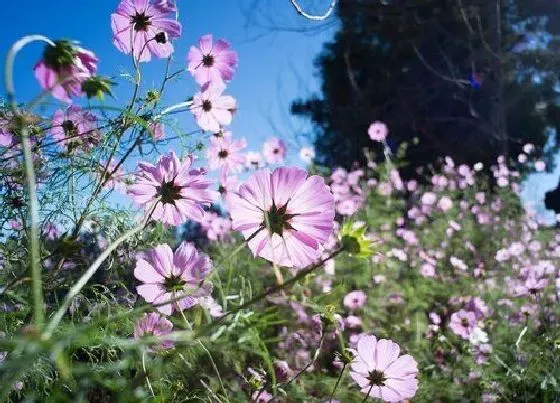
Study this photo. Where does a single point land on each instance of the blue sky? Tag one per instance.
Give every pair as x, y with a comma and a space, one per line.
276, 65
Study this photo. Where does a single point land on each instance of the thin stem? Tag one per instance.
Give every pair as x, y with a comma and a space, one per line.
146, 373
82, 281
302, 274
310, 363
368, 392
37, 281
215, 367
337, 382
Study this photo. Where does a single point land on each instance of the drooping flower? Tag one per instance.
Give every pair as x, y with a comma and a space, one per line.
175, 277
378, 131
63, 68
462, 323
152, 324
211, 109
180, 190
75, 128
225, 153
285, 215
381, 373
211, 61
144, 29
307, 154
274, 150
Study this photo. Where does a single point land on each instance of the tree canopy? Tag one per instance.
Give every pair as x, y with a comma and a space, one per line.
468, 79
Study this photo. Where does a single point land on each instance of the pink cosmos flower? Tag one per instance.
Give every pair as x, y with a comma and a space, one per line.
211, 61
307, 154
63, 68
179, 190
158, 130
144, 29
462, 323
152, 324
253, 160
211, 109
274, 150
378, 131
173, 276
285, 215
355, 299
381, 373
225, 153
75, 128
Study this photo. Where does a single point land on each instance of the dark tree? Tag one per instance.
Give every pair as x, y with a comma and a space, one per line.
469, 79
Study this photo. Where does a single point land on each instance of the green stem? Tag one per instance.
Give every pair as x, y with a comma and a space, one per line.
368, 392
337, 383
37, 281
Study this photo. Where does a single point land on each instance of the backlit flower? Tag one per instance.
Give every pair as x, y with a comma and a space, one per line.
381, 373
211, 61
225, 153
175, 277
144, 29
285, 215
274, 150
307, 154
75, 128
211, 109
179, 190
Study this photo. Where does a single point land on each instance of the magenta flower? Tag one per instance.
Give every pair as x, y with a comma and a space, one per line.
378, 131
63, 68
355, 299
462, 323
173, 276
75, 128
152, 324
285, 215
144, 29
211, 109
381, 373
179, 190
225, 153
211, 62
274, 150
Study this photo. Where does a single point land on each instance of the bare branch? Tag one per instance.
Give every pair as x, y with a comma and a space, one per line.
312, 17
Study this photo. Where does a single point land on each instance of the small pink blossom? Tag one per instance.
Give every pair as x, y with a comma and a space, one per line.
274, 150
179, 190
144, 28
381, 373
462, 323
158, 130
307, 154
211, 61
152, 324
540, 166
285, 215
211, 109
355, 300
75, 128
378, 131
173, 281
445, 204
225, 153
